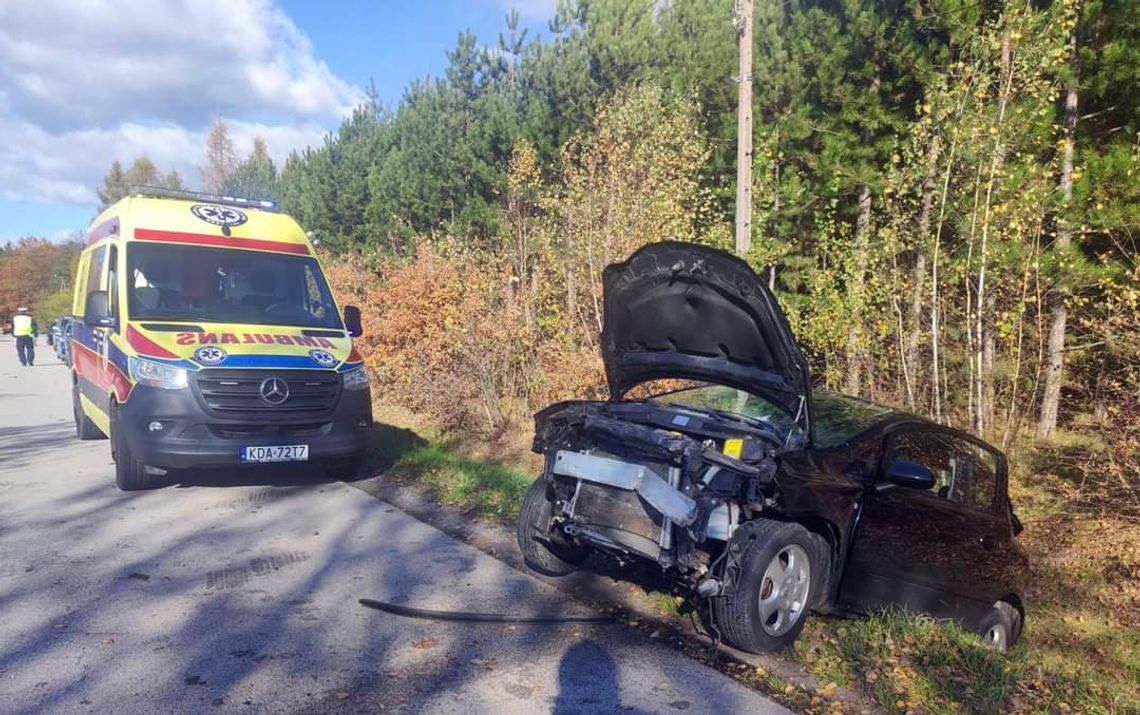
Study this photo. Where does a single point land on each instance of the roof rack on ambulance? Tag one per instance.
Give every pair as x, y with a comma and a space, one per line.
163, 193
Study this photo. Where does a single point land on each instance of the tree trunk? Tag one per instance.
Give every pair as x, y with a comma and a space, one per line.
919, 274
854, 291
1054, 371
984, 318
989, 348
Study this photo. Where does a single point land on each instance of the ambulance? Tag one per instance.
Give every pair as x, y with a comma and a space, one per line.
206, 336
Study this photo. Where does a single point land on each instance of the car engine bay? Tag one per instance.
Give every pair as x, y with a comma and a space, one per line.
667, 483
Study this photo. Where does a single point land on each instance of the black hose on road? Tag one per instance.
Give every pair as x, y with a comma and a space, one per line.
465, 617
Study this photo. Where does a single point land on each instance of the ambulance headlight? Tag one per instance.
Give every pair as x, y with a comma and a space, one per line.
355, 379
155, 374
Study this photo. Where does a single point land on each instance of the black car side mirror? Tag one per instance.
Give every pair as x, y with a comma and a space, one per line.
97, 310
352, 321
909, 474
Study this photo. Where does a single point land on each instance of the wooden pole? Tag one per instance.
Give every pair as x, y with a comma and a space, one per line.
744, 130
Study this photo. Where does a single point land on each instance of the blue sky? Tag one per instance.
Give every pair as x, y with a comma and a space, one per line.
283, 69
394, 43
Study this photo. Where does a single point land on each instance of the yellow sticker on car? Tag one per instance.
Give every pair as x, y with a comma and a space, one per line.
733, 447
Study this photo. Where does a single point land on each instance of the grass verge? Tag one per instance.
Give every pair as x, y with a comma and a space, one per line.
1080, 652
487, 489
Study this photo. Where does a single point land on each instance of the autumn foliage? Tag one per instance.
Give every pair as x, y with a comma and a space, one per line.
480, 337
32, 270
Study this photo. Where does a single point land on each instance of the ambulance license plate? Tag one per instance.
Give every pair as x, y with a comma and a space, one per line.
283, 453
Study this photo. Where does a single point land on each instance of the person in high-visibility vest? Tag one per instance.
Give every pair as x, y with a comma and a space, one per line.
26, 331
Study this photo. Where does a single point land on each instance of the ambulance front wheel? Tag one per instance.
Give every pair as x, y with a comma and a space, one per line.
130, 474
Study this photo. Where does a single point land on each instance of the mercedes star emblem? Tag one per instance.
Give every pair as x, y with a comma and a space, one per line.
274, 390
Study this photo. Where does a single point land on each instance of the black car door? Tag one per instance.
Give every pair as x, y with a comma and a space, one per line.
940, 551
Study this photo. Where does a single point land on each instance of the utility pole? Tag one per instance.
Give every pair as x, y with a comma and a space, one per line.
744, 129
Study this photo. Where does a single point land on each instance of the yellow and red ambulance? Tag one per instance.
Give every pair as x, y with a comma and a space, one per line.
206, 336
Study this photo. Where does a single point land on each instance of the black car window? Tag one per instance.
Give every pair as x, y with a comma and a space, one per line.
964, 473
976, 480
838, 418
729, 399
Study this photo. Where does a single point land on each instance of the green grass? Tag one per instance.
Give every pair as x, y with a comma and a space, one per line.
1075, 656
909, 663
487, 489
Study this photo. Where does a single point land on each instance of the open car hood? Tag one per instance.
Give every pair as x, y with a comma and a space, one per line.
682, 310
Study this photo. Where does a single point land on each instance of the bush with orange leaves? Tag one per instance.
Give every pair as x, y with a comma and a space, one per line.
445, 336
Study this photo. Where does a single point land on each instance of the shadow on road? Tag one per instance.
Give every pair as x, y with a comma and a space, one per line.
22, 445
190, 599
588, 682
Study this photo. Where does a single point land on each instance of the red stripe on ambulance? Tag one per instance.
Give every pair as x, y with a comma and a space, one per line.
202, 239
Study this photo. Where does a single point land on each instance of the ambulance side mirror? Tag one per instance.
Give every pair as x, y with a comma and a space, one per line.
352, 321
97, 310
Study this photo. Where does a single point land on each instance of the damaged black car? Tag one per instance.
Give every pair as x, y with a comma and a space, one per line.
752, 490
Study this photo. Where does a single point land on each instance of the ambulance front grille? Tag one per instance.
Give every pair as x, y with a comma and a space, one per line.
233, 393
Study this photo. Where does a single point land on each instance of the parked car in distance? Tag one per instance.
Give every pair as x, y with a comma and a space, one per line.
6, 327
61, 332
763, 496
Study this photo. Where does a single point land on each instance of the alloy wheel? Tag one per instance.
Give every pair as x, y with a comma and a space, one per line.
784, 590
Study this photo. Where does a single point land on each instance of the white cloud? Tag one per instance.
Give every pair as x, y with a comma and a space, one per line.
67, 64
85, 83
68, 166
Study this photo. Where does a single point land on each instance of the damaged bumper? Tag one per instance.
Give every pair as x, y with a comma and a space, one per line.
650, 481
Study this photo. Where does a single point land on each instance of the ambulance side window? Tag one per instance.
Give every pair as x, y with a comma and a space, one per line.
113, 282
80, 297
95, 272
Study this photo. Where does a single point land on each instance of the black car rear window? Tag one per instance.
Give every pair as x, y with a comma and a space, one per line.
838, 418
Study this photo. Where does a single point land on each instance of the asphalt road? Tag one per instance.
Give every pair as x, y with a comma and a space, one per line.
238, 593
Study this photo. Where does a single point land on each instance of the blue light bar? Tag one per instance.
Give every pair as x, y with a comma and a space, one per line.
162, 193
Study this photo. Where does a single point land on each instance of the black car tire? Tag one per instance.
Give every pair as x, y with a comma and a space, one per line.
85, 429
758, 546
1000, 627
130, 474
543, 551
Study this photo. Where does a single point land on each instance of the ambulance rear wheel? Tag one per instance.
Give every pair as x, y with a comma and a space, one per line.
85, 429
130, 474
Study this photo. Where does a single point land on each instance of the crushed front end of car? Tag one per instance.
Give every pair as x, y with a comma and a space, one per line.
653, 481
687, 479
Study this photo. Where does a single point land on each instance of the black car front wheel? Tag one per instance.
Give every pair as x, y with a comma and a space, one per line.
1000, 628
545, 552
775, 571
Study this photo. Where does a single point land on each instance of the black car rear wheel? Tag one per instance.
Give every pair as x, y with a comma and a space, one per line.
776, 571
545, 552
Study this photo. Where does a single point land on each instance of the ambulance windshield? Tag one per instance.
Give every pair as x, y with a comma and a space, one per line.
226, 285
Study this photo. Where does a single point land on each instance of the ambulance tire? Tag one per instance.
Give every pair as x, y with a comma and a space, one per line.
130, 474
85, 429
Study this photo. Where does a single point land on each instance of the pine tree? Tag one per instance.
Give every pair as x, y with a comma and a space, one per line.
142, 172
114, 185
221, 159
254, 178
